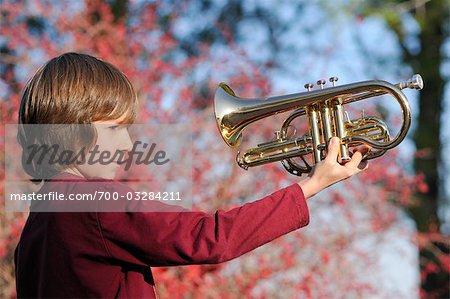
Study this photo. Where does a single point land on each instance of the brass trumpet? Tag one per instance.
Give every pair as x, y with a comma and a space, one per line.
324, 109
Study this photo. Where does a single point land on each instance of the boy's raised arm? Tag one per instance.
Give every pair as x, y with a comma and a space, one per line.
181, 238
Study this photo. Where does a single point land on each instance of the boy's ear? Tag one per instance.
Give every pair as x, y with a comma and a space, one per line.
49, 149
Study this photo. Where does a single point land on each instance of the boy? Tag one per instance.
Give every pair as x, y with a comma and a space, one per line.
109, 255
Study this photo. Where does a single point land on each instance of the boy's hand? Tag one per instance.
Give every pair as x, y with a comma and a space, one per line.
328, 171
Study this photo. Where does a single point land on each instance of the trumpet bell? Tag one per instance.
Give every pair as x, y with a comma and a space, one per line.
226, 108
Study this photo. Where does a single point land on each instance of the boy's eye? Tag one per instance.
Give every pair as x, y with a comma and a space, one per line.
117, 127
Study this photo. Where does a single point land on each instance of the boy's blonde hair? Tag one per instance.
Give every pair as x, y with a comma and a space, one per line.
72, 89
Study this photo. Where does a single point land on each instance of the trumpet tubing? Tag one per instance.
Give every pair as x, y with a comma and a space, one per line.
324, 110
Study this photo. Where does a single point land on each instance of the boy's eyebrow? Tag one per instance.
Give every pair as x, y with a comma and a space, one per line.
113, 121
116, 124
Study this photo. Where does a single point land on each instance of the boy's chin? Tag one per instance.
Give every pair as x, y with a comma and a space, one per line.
109, 175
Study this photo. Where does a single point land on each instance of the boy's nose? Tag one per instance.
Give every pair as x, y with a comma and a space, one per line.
125, 142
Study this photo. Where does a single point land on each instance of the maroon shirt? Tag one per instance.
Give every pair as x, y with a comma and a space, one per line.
109, 254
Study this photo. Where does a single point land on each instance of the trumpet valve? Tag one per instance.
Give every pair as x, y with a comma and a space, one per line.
333, 80
309, 86
321, 83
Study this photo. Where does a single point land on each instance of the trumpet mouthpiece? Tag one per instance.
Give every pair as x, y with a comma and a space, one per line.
415, 82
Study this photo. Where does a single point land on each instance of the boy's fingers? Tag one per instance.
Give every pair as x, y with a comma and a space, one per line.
363, 165
362, 149
355, 160
333, 149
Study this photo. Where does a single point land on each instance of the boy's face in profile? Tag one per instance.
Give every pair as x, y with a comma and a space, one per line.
113, 142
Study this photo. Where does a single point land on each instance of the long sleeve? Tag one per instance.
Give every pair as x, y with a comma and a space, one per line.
182, 238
